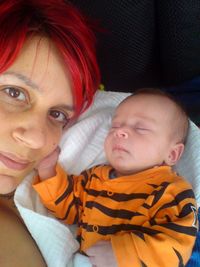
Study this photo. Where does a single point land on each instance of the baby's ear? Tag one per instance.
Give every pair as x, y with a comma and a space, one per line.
174, 154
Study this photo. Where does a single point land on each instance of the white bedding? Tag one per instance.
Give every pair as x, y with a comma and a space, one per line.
82, 147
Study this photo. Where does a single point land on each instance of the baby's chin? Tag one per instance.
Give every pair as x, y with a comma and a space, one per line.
124, 171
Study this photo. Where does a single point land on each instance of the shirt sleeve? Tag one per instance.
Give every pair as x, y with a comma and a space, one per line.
166, 233
62, 194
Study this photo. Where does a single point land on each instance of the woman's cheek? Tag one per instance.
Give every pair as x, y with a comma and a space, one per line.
51, 146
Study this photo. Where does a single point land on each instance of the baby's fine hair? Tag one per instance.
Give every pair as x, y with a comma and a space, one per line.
181, 124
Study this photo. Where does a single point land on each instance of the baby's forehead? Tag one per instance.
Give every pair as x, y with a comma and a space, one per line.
147, 108
146, 103
147, 98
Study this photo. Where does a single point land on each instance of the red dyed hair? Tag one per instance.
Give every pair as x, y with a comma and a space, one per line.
66, 27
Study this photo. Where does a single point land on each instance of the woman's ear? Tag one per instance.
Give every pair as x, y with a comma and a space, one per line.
174, 154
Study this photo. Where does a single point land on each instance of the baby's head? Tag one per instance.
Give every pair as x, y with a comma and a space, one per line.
148, 129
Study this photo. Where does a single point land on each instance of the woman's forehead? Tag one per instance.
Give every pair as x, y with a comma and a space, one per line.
40, 66
39, 58
38, 52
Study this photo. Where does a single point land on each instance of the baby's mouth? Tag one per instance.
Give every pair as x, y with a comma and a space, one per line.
119, 148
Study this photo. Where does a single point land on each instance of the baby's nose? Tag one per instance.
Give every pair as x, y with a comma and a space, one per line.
121, 133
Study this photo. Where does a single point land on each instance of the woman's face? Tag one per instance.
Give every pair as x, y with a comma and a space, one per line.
36, 103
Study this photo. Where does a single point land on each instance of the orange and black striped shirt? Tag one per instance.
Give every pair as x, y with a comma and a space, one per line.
149, 217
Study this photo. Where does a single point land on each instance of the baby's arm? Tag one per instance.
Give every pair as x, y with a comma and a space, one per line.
102, 255
58, 190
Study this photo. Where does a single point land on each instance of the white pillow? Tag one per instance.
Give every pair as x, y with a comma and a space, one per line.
82, 144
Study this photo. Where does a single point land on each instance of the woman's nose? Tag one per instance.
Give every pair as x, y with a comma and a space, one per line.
32, 137
121, 133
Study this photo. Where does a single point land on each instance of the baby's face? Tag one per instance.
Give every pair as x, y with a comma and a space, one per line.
140, 135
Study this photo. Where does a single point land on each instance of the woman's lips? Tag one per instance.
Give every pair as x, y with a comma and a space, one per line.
13, 162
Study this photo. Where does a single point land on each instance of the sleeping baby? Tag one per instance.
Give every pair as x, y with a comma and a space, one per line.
134, 211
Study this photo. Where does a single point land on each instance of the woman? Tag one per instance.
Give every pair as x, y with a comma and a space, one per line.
48, 76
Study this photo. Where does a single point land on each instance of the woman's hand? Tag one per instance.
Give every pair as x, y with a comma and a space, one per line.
102, 255
47, 166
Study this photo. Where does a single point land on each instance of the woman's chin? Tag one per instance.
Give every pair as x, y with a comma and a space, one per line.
8, 184
10, 179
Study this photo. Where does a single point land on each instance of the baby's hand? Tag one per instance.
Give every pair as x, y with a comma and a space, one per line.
102, 255
47, 166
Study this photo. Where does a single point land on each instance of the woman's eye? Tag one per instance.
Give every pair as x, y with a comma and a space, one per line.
60, 117
15, 93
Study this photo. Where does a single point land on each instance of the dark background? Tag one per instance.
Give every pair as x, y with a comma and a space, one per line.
147, 43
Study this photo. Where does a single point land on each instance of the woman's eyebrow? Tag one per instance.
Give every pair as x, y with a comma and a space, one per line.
67, 107
33, 85
23, 78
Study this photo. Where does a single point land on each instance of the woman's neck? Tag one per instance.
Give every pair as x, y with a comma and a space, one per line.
7, 202
7, 196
